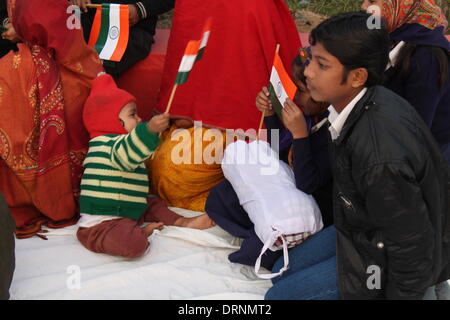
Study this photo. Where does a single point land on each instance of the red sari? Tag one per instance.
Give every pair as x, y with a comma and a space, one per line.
222, 87
43, 87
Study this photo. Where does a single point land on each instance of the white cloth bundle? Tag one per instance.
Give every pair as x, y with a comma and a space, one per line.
283, 215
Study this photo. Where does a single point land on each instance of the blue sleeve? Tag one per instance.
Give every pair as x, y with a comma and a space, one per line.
421, 84
312, 168
272, 123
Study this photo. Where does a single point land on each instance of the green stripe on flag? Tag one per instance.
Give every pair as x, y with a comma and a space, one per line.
200, 54
181, 77
276, 104
104, 29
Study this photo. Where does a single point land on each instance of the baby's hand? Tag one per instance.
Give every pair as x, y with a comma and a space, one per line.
82, 4
11, 34
263, 103
159, 123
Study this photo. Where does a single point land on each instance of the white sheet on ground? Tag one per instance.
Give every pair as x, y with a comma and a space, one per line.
181, 264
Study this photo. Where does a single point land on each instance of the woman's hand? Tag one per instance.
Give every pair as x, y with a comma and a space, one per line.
294, 120
82, 4
263, 103
133, 14
11, 34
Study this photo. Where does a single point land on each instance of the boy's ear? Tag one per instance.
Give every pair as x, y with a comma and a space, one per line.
358, 77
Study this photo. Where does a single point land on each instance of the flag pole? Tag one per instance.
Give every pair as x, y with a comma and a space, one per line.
264, 113
90, 5
169, 104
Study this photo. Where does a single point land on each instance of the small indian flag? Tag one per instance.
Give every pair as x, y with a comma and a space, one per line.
110, 31
205, 36
187, 62
281, 86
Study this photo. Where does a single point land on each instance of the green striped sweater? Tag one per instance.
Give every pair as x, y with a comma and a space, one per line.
115, 180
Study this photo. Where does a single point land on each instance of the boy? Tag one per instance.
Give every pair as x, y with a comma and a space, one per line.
391, 183
114, 188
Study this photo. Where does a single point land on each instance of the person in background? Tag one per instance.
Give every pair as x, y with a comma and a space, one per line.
43, 87
419, 61
6, 44
143, 16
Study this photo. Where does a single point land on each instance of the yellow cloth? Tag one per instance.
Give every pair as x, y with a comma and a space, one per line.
186, 185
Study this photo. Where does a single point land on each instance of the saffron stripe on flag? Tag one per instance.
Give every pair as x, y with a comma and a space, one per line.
123, 36
95, 30
113, 32
187, 62
281, 86
104, 29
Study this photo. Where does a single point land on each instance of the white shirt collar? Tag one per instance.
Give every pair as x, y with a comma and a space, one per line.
337, 120
393, 54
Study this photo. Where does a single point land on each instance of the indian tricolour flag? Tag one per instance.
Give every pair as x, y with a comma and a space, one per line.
193, 52
187, 62
281, 86
110, 31
205, 36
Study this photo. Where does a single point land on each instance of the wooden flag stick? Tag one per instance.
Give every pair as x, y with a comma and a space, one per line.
264, 113
171, 98
260, 124
90, 5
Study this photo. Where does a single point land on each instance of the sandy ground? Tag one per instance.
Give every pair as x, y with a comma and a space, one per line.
304, 19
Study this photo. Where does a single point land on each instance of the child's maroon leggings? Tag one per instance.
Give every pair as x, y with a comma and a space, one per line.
124, 236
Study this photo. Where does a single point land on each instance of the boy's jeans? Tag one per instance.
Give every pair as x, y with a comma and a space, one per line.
312, 274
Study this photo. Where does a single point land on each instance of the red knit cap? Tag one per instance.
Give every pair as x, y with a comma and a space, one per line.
102, 107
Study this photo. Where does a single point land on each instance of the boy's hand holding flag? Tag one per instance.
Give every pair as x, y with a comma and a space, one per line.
281, 87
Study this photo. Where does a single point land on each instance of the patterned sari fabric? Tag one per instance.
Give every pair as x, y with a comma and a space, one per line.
43, 87
424, 12
186, 166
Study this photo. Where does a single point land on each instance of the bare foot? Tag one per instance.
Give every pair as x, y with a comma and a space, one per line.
200, 222
148, 229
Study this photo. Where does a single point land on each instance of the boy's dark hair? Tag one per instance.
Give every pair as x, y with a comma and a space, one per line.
348, 37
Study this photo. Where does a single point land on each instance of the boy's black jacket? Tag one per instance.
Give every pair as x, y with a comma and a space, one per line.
391, 201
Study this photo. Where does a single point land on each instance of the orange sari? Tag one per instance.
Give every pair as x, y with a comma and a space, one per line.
186, 166
43, 142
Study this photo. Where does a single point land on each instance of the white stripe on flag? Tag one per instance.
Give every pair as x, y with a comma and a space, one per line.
187, 63
113, 32
278, 86
205, 39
